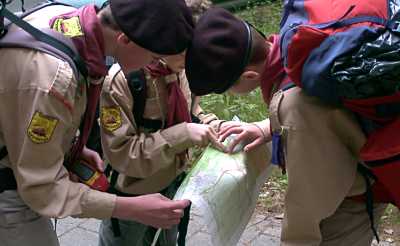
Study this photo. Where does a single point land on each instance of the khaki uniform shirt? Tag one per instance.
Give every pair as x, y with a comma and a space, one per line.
147, 162
41, 106
321, 145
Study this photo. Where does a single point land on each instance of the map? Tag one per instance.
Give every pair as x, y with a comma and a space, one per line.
223, 189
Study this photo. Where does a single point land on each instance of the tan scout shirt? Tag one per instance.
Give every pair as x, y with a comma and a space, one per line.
321, 145
41, 106
147, 162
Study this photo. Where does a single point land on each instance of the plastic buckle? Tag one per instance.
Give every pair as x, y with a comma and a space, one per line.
3, 30
395, 27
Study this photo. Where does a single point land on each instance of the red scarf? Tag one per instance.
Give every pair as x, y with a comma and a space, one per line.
177, 105
89, 42
274, 72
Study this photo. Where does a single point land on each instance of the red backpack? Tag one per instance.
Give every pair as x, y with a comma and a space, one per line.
346, 52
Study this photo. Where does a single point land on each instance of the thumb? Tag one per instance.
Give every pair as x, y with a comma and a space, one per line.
253, 145
180, 204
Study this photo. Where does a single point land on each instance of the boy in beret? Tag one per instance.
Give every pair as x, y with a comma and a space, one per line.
320, 142
44, 100
148, 152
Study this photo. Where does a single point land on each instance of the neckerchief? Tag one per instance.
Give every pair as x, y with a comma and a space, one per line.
177, 106
274, 72
83, 28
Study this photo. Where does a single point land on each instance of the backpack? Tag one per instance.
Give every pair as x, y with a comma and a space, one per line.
347, 53
55, 44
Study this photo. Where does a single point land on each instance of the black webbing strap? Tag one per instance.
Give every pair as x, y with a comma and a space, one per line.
115, 227
45, 38
288, 86
39, 7
137, 86
2, 25
7, 180
152, 125
183, 226
369, 197
3, 152
114, 221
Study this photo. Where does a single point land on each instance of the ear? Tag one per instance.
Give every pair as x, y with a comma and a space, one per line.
122, 39
251, 75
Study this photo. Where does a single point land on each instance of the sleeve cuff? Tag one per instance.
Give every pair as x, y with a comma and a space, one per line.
206, 118
177, 137
216, 124
98, 204
265, 127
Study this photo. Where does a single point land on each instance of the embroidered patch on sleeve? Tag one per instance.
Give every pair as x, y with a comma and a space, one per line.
69, 27
111, 118
41, 128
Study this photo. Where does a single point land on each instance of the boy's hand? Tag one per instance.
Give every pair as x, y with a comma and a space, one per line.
249, 133
202, 135
155, 210
93, 158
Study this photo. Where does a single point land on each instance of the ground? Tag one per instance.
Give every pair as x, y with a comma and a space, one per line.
271, 203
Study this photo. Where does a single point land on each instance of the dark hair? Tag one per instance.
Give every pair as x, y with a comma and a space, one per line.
107, 19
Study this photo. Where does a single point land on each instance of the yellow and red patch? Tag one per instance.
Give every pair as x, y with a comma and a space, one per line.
69, 27
41, 128
110, 118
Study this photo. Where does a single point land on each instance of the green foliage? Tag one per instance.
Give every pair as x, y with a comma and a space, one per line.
248, 108
392, 214
264, 16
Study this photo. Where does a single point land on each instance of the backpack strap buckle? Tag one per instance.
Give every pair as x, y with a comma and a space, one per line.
3, 29
395, 26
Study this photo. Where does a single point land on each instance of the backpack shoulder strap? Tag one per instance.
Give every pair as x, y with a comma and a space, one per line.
3, 152
45, 40
137, 86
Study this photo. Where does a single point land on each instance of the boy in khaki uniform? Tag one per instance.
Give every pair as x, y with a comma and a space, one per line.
43, 102
320, 142
150, 158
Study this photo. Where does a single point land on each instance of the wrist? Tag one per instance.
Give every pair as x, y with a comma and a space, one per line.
263, 127
118, 209
121, 209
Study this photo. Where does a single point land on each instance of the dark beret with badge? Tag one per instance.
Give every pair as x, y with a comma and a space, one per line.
219, 52
161, 26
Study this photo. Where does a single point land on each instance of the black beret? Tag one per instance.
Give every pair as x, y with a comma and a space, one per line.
219, 52
161, 26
